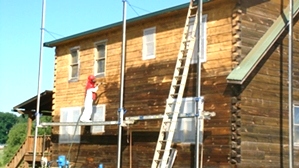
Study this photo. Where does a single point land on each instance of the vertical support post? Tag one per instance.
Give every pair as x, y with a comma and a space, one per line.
29, 124
291, 143
198, 115
121, 109
37, 116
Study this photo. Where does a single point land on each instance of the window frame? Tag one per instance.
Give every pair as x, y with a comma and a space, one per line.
203, 54
96, 58
145, 43
181, 122
72, 115
72, 64
98, 118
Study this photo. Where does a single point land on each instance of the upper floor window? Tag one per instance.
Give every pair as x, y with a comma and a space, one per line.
185, 128
67, 134
203, 38
149, 43
74, 64
296, 125
98, 115
100, 58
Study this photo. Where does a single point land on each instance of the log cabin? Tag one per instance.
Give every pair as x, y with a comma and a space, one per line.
244, 80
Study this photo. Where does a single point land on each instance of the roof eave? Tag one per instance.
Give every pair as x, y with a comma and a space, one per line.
19, 108
55, 42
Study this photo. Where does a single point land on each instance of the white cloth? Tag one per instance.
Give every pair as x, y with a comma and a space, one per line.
88, 105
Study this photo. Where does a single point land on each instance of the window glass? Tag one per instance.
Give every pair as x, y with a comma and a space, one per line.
100, 58
74, 63
185, 128
100, 66
99, 115
67, 134
296, 125
203, 39
74, 71
74, 54
149, 43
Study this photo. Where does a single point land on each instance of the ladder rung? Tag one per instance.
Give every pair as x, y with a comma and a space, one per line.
163, 131
163, 150
169, 112
182, 67
191, 16
187, 41
159, 160
177, 85
183, 59
163, 141
179, 77
184, 50
171, 103
173, 95
166, 122
193, 7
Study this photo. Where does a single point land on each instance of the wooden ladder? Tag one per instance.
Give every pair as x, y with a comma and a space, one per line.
162, 155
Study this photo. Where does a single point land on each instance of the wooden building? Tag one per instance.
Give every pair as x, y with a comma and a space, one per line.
24, 155
244, 80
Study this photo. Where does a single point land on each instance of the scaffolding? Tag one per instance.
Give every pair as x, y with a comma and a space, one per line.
199, 115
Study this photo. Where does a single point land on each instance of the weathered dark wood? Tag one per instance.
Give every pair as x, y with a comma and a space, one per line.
250, 126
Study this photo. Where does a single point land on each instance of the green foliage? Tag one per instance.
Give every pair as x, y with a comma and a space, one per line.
7, 121
1, 156
17, 136
46, 130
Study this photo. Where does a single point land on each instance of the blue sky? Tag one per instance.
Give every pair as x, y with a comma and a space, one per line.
20, 33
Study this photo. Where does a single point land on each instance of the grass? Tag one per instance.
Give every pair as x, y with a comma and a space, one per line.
1, 156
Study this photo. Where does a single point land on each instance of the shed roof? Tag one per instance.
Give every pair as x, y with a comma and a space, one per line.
56, 42
30, 104
241, 72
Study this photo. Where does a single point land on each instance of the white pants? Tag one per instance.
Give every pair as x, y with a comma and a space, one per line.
88, 105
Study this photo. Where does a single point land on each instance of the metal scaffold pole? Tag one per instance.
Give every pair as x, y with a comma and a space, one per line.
291, 142
199, 119
39, 81
121, 108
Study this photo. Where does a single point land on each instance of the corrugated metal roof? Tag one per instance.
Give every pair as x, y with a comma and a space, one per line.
55, 42
241, 72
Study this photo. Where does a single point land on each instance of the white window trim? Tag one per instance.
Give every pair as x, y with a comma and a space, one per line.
144, 48
77, 48
294, 108
96, 118
95, 57
68, 131
203, 54
182, 129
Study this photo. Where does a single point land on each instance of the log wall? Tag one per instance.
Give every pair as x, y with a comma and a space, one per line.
261, 105
147, 84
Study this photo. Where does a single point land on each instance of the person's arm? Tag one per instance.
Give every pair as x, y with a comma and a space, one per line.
94, 89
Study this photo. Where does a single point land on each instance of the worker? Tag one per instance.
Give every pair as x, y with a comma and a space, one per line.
90, 95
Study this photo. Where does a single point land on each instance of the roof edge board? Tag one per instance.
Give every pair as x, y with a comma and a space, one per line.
242, 71
51, 44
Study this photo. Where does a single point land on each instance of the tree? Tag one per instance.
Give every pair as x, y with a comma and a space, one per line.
7, 121
17, 136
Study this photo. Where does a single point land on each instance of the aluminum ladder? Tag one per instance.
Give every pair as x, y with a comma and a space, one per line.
162, 155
